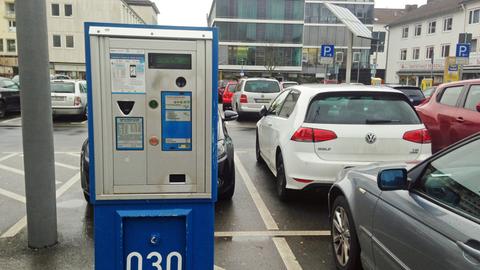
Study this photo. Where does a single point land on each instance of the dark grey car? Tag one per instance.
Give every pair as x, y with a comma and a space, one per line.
392, 216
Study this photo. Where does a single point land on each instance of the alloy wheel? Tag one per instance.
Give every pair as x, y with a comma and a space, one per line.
341, 235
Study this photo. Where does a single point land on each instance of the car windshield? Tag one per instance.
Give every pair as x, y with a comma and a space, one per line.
361, 108
259, 86
62, 87
8, 84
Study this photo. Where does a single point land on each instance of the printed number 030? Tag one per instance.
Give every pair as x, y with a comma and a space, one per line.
157, 257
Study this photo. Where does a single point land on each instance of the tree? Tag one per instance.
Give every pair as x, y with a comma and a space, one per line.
271, 59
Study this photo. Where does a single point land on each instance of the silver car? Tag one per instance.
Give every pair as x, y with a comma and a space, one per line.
251, 94
69, 97
392, 216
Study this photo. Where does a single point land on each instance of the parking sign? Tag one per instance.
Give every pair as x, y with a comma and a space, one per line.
327, 51
463, 50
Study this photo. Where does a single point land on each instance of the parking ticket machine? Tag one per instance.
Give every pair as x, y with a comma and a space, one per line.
152, 133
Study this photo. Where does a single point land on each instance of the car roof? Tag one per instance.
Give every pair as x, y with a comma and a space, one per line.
473, 81
323, 88
71, 81
260, 79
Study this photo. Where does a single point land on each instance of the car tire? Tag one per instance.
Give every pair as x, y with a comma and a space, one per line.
3, 109
282, 191
344, 236
228, 194
257, 150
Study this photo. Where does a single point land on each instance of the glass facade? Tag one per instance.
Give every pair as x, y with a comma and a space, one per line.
260, 32
318, 13
338, 35
260, 56
260, 9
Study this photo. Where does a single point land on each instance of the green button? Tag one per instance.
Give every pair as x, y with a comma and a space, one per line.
153, 104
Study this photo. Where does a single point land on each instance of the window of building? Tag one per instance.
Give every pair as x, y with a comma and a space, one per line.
403, 54
1, 44
405, 32
378, 41
55, 10
429, 53
10, 8
448, 24
474, 16
445, 50
11, 45
68, 10
416, 53
69, 43
57, 41
418, 30
473, 45
12, 25
432, 27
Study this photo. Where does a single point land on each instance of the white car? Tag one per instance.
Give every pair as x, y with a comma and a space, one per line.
69, 97
288, 84
310, 133
253, 93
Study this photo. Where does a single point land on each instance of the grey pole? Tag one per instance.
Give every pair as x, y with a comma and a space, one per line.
348, 76
358, 69
37, 127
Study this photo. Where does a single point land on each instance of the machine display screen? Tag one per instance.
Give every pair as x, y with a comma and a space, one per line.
169, 61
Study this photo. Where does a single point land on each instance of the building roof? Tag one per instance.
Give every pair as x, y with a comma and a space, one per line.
431, 9
387, 15
143, 3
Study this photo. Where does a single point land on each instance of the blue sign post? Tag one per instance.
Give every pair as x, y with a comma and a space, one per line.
327, 51
463, 50
153, 145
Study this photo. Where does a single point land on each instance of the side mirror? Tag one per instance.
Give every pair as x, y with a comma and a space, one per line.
392, 179
263, 111
478, 107
230, 115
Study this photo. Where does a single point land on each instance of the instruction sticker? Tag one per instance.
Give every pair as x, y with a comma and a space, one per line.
178, 102
127, 71
176, 121
129, 132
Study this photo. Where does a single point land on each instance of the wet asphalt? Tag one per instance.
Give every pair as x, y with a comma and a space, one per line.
254, 230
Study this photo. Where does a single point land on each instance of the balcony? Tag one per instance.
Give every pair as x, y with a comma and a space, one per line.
9, 14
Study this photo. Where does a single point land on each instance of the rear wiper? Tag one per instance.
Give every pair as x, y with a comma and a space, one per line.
381, 121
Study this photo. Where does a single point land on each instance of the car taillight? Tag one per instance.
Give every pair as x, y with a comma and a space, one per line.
77, 101
243, 99
227, 94
418, 136
313, 135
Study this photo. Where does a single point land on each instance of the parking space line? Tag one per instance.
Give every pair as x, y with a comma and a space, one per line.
10, 155
10, 120
12, 195
66, 166
286, 254
12, 231
257, 199
218, 268
73, 154
10, 169
271, 233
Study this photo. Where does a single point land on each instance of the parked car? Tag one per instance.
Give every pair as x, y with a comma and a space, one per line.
225, 158
414, 93
221, 88
59, 77
16, 79
312, 132
228, 95
452, 113
393, 216
69, 97
429, 91
9, 96
288, 84
253, 93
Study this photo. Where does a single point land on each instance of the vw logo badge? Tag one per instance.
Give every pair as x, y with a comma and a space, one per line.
370, 138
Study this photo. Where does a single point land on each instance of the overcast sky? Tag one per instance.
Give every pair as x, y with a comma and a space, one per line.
194, 12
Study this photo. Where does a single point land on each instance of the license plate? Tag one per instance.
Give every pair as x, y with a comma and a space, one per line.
262, 100
55, 98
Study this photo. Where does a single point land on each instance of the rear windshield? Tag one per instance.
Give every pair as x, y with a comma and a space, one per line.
62, 87
412, 92
231, 87
262, 87
361, 108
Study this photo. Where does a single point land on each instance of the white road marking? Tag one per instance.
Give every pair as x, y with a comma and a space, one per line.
257, 199
12, 231
12, 195
271, 233
10, 169
66, 166
218, 268
73, 154
10, 120
286, 253
10, 155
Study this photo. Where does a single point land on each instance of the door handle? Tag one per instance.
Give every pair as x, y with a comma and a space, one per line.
460, 119
471, 247
269, 124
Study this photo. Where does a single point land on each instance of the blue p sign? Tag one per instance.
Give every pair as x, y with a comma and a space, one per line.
463, 50
327, 50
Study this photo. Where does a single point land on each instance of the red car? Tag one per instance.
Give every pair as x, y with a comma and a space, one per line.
452, 113
228, 95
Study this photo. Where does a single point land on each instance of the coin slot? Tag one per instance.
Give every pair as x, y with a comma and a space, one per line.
126, 106
181, 82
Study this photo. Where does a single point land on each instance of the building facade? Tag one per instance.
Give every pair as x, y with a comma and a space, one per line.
65, 19
8, 39
282, 38
420, 41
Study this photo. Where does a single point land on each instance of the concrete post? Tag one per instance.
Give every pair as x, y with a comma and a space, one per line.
348, 70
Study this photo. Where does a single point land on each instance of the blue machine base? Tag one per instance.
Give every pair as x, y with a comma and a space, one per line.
138, 235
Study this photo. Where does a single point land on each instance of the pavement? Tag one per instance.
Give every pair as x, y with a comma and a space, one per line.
253, 231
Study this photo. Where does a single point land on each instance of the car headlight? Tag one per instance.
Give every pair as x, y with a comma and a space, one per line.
221, 149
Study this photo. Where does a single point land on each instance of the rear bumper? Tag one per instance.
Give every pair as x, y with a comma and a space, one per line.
250, 107
68, 110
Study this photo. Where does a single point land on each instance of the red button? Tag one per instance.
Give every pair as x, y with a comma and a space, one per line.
154, 141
